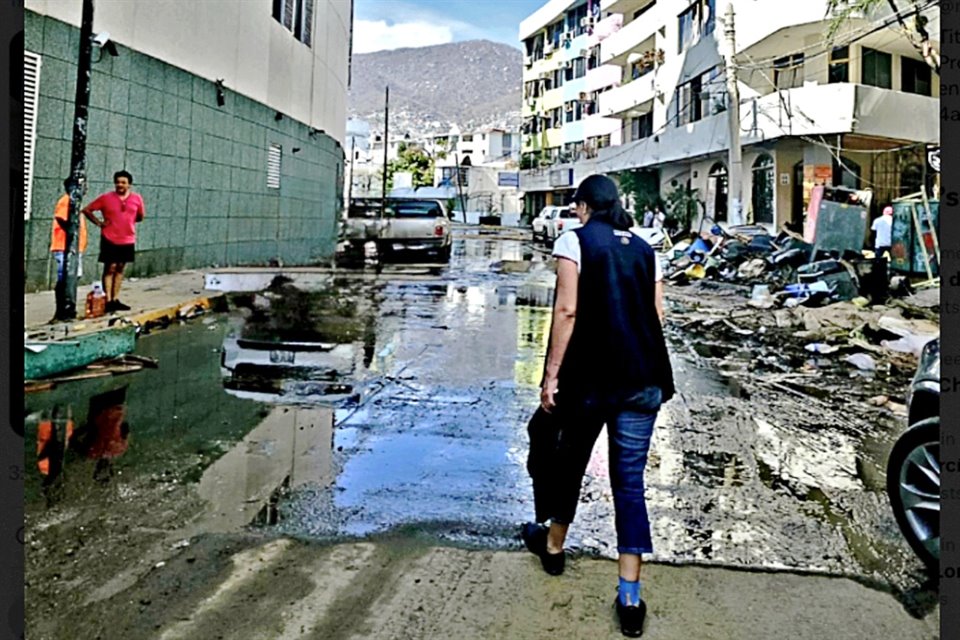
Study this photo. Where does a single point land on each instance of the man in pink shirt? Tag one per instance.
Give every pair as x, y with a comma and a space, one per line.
121, 209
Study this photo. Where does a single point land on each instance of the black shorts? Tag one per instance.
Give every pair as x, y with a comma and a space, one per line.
115, 253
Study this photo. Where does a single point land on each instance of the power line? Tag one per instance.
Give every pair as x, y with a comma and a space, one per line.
856, 35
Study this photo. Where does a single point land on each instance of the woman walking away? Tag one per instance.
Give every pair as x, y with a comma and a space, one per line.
607, 363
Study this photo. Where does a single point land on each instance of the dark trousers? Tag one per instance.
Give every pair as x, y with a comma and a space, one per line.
560, 447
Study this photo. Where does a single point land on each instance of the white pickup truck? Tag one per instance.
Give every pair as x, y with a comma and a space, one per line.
399, 226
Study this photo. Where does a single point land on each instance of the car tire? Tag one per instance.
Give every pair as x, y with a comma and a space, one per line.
446, 253
913, 486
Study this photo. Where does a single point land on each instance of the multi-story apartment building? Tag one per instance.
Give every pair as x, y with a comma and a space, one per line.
812, 111
562, 80
229, 115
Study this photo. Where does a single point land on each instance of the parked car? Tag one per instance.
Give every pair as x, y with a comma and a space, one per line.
653, 236
397, 226
564, 220
416, 225
363, 224
913, 469
540, 222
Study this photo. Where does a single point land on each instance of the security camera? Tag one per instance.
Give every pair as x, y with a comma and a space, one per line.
102, 41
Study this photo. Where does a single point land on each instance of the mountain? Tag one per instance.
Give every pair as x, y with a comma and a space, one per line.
472, 84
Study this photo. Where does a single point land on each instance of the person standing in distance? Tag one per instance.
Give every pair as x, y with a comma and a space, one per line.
122, 209
58, 242
607, 363
882, 228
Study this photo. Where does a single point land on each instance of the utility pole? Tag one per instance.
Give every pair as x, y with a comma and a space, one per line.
386, 149
353, 158
463, 204
66, 292
735, 170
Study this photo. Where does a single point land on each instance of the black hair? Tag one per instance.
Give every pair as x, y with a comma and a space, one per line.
67, 183
123, 173
600, 193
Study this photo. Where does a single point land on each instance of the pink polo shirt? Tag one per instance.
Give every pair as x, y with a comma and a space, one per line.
120, 216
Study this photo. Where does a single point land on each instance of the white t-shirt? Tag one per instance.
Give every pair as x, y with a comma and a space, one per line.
568, 246
884, 228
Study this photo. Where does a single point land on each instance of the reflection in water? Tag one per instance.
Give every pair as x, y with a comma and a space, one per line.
291, 447
103, 437
533, 334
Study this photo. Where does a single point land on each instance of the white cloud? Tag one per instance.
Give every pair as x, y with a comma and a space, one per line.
378, 35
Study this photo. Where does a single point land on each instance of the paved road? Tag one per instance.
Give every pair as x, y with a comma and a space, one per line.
432, 374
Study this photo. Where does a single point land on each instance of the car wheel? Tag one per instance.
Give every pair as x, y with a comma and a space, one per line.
446, 253
913, 485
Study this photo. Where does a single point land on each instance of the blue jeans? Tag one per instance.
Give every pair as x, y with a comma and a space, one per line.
560, 447
58, 258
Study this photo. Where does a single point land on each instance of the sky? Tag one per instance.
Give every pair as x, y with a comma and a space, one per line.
394, 24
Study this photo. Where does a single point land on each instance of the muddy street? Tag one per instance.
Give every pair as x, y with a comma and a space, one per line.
343, 455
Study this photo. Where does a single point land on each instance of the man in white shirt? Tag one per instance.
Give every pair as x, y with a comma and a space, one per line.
882, 228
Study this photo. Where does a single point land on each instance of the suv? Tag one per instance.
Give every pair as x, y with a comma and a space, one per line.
540, 222
565, 220
913, 469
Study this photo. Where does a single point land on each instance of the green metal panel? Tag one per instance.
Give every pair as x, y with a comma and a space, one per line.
77, 352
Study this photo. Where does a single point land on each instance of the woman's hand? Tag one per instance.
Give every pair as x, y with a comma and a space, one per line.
547, 392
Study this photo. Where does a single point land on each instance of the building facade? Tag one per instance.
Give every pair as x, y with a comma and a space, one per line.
230, 115
812, 111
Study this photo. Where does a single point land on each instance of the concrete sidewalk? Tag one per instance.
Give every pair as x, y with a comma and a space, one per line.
150, 299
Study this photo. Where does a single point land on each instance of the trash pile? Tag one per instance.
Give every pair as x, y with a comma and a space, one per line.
782, 270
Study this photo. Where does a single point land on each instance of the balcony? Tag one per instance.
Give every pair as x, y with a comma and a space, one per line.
637, 34
626, 7
631, 99
813, 110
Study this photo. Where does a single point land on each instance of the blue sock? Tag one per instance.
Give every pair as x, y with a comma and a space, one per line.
629, 593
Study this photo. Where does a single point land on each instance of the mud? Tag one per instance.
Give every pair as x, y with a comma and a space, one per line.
388, 410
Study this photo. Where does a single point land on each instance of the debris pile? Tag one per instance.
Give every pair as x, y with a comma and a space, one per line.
783, 270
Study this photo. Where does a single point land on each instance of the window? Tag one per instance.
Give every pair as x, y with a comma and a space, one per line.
641, 127
297, 17
575, 20
709, 16
876, 68
763, 184
703, 96
839, 67
558, 75
915, 77
31, 86
686, 23
788, 71
698, 20
468, 137
579, 67
274, 156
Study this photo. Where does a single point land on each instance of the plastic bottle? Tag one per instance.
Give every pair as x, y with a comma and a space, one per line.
96, 302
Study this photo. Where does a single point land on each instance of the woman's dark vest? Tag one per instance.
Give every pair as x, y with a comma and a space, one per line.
617, 352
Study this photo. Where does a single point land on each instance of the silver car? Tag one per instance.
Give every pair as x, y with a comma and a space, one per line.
913, 469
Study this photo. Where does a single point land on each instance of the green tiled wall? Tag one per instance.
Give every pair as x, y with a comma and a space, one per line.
201, 169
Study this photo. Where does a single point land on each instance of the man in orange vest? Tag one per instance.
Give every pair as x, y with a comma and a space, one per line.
58, 240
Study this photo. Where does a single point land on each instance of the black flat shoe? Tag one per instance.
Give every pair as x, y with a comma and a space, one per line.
631, 618
119, 306
535, 538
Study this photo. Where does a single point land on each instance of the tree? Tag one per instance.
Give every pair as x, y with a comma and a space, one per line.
643, 187
915, 30
682, 206
414, 160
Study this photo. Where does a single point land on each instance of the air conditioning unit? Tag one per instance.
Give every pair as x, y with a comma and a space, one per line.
527, 61
584, 53
584, 22
547, 48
